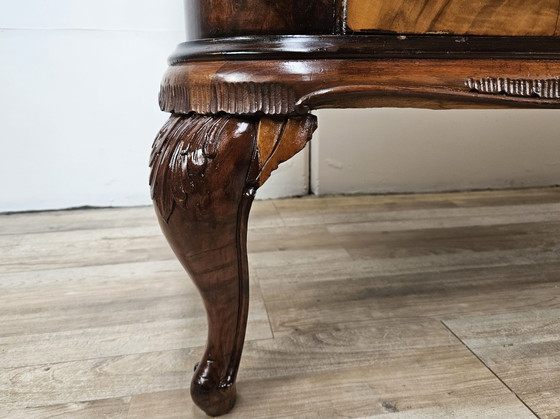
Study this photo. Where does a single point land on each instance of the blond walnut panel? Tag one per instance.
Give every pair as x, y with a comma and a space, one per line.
461, 17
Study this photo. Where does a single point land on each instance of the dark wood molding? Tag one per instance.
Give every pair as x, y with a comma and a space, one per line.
295, 74
340, 10
243, 98
366, 47
298, 86
532, 88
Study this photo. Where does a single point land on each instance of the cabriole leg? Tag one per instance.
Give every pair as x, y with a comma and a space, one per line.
205, 172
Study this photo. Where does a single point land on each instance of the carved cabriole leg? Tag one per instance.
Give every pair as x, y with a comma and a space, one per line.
205, 172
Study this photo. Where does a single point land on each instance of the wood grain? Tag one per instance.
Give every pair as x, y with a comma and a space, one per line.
218, 18
522, 349
296, 87
403, 369
47, 385
107, 409
357, 334
205, 171
81, 248
370, 46
105, 219
464, 17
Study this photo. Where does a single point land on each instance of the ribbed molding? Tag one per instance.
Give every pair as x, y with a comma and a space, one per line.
233, 98
543, 88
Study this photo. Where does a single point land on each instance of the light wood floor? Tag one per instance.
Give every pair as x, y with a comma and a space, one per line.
393, 307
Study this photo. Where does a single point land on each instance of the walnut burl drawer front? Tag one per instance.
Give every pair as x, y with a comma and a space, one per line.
460, 17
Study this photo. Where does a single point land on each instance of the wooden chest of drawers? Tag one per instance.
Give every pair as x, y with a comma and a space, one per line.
241, 93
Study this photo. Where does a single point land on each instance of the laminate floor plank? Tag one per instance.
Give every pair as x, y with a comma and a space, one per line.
385, 307
362, 242
84, 245
406, 369
317, 304
112, 377
69, 249
75, 219
523, 349
263, 213
106, 409
411, 208
107, 296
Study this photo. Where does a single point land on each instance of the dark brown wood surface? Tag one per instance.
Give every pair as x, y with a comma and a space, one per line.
366, 47
473, 17
217, 18
296, 87
205, 171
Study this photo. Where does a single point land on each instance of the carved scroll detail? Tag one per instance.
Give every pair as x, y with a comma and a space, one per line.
542, 88
290, 136
187, 146
234, 98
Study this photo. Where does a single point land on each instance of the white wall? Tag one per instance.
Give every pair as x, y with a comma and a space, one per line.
78, 101
78, 113
409, 150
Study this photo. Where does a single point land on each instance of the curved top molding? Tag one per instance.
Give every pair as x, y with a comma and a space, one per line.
280, 87
365, 47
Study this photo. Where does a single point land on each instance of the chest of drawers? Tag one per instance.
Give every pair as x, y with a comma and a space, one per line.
242, 90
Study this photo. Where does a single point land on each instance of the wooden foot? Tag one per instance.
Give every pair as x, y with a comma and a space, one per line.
205, 172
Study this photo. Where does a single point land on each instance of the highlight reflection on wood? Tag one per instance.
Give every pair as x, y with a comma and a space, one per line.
278, 87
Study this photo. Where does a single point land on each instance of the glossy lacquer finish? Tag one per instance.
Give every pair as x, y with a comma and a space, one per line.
279, 77
282, 87
219, 18
464, 17
241, 105
205, 171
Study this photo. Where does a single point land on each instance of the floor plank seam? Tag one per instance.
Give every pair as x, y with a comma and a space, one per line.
279, 214
265, 307
200, 348
171, 258
490, 369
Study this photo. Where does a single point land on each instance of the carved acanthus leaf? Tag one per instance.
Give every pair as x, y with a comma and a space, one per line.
280, 139
190, 149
